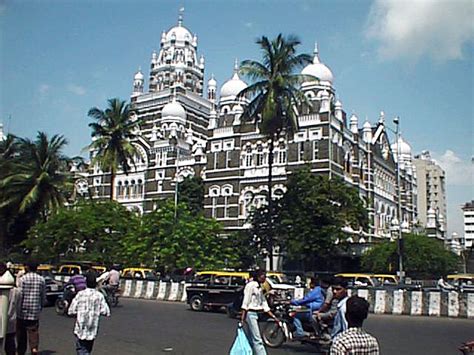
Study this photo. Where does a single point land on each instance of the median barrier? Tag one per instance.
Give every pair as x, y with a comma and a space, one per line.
382, 301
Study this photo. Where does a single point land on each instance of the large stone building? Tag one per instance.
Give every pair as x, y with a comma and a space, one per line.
468, 212
185, 132
431, 200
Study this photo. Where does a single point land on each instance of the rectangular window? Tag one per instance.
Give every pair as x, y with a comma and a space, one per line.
215, 160
315, 150
228, 158
301, 151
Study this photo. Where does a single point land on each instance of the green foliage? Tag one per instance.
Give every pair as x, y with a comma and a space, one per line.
191, 193
89, 231
310, 217
423, 257
107, 232
34, 182
112, 134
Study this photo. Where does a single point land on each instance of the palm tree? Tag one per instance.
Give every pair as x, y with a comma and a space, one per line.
112, 134
275, 96
35, 183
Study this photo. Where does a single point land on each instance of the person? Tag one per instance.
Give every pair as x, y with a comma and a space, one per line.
443, 285
110, 280
355, 340
32, 297
78, 281
88, 306
253, 303
313, 300
339, 289
13, 299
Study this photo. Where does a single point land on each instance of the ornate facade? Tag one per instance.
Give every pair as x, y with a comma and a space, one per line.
183, 133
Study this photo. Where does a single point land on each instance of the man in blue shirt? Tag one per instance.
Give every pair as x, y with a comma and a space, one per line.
339, 288
313, 300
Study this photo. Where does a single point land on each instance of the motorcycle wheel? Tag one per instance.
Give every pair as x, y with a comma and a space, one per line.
114, 301
61, 306
273, 335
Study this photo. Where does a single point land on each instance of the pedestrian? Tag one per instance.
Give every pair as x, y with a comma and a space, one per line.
339, 289
254, 303
13, 299
355, 340
88, 306
32, 297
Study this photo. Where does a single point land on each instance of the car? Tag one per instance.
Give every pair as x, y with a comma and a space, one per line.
359, 279
70, 269
386, 279
139, 273
464, 282
213, 290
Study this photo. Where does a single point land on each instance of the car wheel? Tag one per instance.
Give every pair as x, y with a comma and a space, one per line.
196, 303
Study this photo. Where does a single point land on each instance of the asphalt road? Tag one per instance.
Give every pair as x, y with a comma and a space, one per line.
150, 327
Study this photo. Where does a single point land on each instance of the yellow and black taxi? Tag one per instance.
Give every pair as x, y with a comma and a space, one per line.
463, 282
139, 273
358, 279
215, 289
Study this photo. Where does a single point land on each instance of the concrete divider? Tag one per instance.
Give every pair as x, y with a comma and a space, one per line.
416, 303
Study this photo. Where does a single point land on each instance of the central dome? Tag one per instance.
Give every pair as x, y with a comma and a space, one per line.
179, 33
173, 109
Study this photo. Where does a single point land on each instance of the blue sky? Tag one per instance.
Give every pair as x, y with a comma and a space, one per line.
412, 59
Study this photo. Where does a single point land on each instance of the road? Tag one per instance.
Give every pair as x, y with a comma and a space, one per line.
150, 327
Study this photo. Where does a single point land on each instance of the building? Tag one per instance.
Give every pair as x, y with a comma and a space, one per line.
184, 133
468, 212
431, 199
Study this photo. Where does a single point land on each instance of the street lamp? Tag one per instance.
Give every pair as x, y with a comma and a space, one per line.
401, 273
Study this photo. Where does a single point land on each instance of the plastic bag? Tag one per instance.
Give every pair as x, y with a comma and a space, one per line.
241, 344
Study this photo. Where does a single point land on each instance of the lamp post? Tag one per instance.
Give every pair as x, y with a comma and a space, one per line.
401, 273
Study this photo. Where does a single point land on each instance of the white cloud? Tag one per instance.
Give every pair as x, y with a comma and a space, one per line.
44, 89
414, 28
76, 89
458, 172
248, 24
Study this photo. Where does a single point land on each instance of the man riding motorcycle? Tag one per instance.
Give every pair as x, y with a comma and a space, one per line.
313, 300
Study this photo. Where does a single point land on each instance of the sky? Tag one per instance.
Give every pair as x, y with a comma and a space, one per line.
412, 59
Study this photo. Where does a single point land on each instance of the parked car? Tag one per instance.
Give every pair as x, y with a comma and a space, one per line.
139, 273
463, 282
359, 279
386, 279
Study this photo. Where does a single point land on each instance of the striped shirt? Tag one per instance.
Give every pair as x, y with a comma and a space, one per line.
89, 305
33, 293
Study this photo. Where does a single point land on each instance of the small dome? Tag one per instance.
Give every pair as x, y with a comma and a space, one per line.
233, 87
354, 119
367, 125
405, 148
212, 81
318, 69
139, 75
173, 109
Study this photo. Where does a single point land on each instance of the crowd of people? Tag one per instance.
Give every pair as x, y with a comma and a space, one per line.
335, 317
26, 300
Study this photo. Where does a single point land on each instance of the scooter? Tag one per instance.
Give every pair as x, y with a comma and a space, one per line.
275, 334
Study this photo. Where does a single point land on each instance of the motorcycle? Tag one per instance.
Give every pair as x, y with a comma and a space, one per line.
64, 301
275, 334
111, 295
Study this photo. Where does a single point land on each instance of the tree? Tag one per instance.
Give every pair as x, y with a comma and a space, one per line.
311, 216
188, 241
423, 257
275, 94
112, 134
34, 182
191, 193
89, 231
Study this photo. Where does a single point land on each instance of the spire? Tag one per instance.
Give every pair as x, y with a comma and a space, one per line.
236, 66
316, 53
180, 16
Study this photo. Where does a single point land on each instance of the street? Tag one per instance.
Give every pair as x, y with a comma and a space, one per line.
150, 327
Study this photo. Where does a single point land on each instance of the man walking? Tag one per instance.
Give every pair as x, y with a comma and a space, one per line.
355, 340
88, 305
32, 296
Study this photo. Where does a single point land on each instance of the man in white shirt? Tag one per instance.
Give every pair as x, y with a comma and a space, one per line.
88, 305
254, 302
